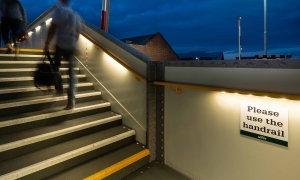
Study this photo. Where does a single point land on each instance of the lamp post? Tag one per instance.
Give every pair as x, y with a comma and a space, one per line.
265, 27
240, 38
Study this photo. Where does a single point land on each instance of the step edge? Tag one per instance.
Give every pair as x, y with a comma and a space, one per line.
46, 100
28, 62
64, 157
52, 114
119, 165
32, 88
29, 78
22, 55
8, 70
54, 134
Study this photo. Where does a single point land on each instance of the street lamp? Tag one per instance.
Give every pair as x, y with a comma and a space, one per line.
265, 27
240, 38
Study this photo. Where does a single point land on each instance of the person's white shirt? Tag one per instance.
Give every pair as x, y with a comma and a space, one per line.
69, 24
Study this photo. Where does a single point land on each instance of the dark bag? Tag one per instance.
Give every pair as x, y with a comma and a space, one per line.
22, 36
45, 74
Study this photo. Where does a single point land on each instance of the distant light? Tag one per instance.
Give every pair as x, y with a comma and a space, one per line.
30, 32
49, 20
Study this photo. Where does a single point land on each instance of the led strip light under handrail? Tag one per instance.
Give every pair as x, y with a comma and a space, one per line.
227, 90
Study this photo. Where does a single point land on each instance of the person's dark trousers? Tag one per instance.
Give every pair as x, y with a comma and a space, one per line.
8, 24
68, 55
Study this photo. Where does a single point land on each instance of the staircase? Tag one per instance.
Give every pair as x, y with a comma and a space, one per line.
41, 140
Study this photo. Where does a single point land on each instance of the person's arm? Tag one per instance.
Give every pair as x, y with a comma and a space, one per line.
50, 35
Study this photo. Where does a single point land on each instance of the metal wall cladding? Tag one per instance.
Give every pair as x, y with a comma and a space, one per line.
202, 128
118, 86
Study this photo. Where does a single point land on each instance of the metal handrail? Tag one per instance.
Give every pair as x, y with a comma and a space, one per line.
228, 90
42, 16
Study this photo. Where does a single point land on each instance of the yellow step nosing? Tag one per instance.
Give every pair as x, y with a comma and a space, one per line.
118, 166
28, 50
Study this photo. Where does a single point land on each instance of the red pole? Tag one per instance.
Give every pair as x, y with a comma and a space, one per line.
103, 20
104, 15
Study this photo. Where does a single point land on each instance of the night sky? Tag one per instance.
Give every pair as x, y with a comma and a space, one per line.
196, 25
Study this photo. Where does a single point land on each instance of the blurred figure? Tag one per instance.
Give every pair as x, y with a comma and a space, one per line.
67, 25
13, 18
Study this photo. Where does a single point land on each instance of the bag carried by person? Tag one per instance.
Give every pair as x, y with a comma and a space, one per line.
22, 34
44, 75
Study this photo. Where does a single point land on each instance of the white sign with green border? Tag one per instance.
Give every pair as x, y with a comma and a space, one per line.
266, 123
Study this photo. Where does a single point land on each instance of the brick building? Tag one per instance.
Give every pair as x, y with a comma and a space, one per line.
154, 46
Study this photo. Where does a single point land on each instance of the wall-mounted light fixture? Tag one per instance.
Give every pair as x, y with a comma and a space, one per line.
38, 28
48, 21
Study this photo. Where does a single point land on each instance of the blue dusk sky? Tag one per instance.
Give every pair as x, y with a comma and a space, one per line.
197, 25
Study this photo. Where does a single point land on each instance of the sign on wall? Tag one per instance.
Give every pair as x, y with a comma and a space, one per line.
264, 122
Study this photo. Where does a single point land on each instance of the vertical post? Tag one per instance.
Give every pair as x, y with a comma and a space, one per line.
107, 13
0, 36
104, 15
240, 38
265, 27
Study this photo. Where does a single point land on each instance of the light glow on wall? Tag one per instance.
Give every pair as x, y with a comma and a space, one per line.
104, 56
29, 33
38, 28
230, 99
48, 21
86, 41
117, 66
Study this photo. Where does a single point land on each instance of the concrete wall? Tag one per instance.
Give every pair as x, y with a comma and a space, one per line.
202, 128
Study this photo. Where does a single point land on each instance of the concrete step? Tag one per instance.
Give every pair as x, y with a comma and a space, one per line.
22, 57
25, 64
28, 80
19, 72
29, 91
24, 105
45, 117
